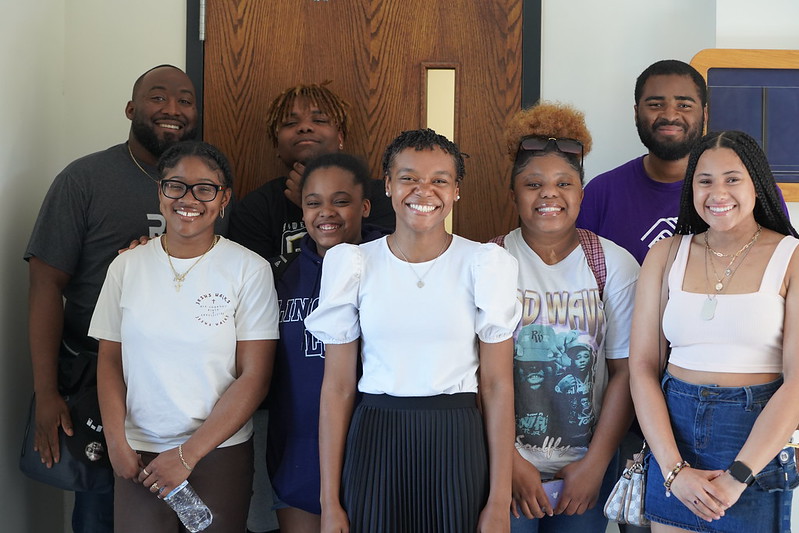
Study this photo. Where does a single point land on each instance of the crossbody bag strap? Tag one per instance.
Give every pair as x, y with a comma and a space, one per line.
595, 256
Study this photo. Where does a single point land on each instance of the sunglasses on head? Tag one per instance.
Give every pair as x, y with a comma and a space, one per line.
537, 143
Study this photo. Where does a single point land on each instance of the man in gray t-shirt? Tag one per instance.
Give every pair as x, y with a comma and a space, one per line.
96, 205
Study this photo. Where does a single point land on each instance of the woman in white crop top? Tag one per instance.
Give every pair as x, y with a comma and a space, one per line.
718, 418
425, 310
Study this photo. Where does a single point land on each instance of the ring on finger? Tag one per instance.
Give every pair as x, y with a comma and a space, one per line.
146, 473
155, 486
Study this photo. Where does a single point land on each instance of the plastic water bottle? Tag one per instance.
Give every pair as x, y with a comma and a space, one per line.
191, 510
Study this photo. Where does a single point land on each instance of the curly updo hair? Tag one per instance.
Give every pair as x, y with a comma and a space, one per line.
546, 119
768, 211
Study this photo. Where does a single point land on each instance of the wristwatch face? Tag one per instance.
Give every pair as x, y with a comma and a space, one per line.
741, 472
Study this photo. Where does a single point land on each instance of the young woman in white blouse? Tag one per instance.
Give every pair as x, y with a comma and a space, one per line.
425, 310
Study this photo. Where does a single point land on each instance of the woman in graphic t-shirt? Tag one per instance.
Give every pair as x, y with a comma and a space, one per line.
577, 294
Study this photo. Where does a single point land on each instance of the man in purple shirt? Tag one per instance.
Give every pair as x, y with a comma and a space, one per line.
636, 204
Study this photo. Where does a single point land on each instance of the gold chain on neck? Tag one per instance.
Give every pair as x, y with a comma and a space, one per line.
179, 278
140, 167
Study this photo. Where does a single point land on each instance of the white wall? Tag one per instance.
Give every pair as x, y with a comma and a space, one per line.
31, 59
592, 52
764, 24
68, 67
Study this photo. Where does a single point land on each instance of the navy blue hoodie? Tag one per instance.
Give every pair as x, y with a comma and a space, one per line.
292, 452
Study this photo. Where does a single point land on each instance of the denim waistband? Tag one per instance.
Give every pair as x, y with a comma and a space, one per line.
747, 395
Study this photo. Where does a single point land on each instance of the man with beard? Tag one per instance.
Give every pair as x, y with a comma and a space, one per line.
636, 204
95, 206
303, 122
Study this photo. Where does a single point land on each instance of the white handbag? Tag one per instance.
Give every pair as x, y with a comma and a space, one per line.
625, 504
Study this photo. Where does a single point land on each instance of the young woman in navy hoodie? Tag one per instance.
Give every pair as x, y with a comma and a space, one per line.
333, 206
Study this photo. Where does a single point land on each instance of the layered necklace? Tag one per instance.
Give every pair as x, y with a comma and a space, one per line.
180, 278
140, 167
709, 305
420, 279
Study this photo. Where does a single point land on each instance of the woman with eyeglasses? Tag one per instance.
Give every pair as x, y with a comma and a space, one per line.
187, 326
572, 395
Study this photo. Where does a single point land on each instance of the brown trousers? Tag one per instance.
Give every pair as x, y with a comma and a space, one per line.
223, 479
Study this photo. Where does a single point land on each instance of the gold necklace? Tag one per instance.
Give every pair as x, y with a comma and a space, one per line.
736, 254
420, 280
179, 278
729, 270
709, 305
140, 167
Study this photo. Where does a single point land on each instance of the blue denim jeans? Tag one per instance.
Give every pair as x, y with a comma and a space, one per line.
93, 512
710, 426
591, 521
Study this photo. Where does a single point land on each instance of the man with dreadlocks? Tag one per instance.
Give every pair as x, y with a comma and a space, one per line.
303, 122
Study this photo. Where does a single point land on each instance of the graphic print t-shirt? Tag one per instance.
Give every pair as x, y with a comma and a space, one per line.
560, 372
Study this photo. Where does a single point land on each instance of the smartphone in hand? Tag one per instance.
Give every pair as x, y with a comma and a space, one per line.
553, 488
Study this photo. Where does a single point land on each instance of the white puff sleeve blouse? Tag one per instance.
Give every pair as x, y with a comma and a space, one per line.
417, 341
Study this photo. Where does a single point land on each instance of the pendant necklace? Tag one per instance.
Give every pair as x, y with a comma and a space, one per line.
180, 278
709, 305
140, 167
420, 279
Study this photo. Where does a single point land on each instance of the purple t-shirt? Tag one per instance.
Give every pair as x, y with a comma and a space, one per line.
628, 207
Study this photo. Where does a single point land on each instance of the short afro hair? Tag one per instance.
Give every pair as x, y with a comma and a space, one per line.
547, 119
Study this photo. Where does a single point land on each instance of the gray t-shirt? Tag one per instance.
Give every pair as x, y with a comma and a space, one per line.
95, 206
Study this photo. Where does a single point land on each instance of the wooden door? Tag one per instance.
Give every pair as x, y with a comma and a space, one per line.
375, 53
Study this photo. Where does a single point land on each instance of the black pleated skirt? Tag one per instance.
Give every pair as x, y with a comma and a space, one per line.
415, 465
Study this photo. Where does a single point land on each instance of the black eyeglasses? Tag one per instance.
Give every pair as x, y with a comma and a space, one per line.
536, 143
203, 192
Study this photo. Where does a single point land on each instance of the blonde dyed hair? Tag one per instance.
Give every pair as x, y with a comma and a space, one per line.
317, 95
547, 119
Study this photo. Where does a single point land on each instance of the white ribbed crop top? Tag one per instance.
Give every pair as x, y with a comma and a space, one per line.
745, 334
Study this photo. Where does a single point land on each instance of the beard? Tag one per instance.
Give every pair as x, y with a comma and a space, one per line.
146, 136
669, 150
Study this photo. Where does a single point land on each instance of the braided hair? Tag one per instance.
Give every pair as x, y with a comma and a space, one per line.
314, 94
768, 211
425, 139
209, 153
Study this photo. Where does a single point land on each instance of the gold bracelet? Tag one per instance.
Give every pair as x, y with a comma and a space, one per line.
182, 460
673, 474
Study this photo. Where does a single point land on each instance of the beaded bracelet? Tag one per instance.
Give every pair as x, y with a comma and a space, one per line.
673, 474
182, 460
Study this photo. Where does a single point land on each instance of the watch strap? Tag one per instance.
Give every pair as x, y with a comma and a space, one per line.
742, 473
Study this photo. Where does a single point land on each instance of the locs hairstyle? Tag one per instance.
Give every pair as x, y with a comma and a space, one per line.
209, 153
425, 139
318, 95
768, 206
